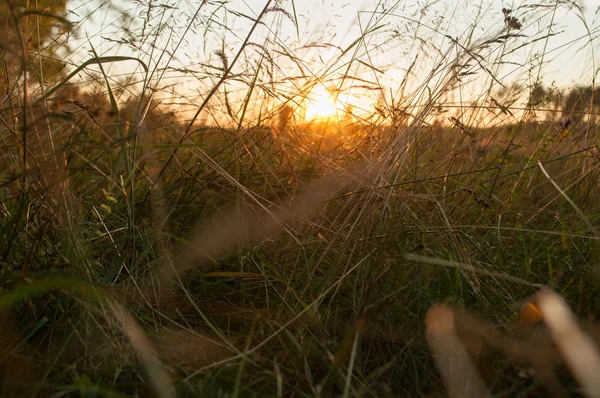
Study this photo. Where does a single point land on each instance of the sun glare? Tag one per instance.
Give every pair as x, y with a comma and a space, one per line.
321, 105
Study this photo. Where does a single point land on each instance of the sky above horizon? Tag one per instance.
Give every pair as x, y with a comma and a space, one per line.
340, 23
357, 45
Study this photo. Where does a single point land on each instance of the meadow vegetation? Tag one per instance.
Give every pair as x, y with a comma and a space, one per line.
215, 243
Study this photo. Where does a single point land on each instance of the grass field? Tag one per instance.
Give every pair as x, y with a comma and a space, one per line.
217, 242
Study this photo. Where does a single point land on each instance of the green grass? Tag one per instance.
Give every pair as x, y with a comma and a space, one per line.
144, 252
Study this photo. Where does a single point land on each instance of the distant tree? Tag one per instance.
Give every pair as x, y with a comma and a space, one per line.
582, 101
26, 42
538, 96
555, 98
547, 99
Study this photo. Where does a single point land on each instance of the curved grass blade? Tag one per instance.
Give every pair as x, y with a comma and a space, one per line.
96, 60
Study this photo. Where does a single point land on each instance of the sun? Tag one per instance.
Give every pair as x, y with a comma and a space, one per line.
321, 105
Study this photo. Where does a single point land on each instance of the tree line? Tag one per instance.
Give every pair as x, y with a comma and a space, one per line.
578, 103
